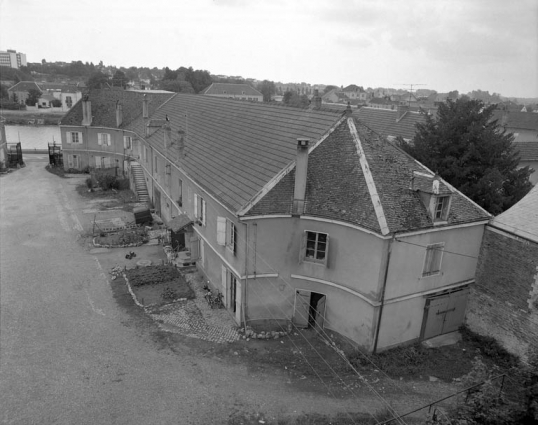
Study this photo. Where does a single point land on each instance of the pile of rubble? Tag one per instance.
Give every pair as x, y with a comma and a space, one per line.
248, 333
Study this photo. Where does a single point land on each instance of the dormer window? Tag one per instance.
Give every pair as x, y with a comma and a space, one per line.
441, 207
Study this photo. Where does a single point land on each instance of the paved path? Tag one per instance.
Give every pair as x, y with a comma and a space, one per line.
71, 355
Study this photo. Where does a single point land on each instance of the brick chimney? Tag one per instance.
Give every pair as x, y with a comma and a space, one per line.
86, 111
349, 111
301, 167
167, 136
145, 109
119, 114
401, 111
316, 100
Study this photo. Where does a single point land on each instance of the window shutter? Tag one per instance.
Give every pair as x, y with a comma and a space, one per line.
75, 162
221, 230
99, 138
302, 252
70, 161
107, 162
428, 261
195, 248
203, 211
125, 142
196, 217
224, 278
69, 137
326, 261
108, 139
97, 162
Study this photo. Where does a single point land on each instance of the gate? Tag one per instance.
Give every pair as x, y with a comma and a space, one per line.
444, 313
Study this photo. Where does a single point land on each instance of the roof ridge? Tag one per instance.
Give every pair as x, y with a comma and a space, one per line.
370, 183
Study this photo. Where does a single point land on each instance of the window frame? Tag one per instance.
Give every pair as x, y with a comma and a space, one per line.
231, 236
127, 142
444, 201
199, 209
104, 139
429, 268
304, 247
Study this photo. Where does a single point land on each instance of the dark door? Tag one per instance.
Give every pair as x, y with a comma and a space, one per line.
178, 240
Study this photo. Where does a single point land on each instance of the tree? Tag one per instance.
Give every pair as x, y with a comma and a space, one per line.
473, 153
33, 97
176, 86
97, 80
268, 89
292, 98
4, 94
119, 79
454, 94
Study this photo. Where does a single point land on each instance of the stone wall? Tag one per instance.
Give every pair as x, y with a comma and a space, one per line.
504, 301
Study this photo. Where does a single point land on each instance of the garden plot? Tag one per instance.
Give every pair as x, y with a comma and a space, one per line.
155, 286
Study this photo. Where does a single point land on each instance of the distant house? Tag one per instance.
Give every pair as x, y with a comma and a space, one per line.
233, 91
383, 103
20, 90
504, 302
68, 94
355, 92
391, 123
528, 152
523, 125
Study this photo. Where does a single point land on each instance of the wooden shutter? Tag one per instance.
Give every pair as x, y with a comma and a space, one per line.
125, 142
196, 207
68, 137
107, 162
326, 262
224, 279
108, 139
70, 161
221, 230
428, 261
203, 211
195, 248
99, 138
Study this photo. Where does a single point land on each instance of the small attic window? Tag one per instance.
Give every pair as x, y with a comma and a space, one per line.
441, 206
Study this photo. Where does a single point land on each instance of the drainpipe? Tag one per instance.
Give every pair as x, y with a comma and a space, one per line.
383, 290
244, 295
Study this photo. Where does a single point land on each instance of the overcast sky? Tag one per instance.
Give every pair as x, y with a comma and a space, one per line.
445, 45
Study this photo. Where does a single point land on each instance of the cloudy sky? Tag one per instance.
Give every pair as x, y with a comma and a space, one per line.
445, 45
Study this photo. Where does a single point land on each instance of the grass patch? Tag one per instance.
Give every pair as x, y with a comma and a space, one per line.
57, 171
446, 363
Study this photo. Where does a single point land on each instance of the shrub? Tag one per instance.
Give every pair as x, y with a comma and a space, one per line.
89, 183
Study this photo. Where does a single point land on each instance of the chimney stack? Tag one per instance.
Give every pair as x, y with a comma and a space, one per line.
167, 136
119, 114
316, 99
301, 167
86, 111
145, 110
401, 111
349, 111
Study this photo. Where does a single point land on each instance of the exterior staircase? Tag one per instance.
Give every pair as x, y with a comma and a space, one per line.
140, 183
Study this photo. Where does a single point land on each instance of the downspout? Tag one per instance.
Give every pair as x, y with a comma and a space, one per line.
383, 290
244, 297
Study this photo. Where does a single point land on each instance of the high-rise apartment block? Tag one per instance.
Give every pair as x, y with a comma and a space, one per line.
12, 59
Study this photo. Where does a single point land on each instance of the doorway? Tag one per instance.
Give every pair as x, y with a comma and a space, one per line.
309, 309
444, 313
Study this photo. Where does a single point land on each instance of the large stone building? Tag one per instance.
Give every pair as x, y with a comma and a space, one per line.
301, 216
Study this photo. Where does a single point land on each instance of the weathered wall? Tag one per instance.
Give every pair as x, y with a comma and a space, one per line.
504, 301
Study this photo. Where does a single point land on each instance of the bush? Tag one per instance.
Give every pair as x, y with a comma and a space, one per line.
89, 183
10, 105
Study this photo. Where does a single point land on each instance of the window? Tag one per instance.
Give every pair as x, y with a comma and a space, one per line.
127, 142
104, 139
180, 193
199, 209
74, 137
69, 101
227, 234
432, 262
441, 208
315, 247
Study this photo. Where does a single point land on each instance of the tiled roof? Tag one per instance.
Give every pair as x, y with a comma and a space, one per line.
517, 120
528, 151
103, 107
383, 121
522, 218
233, 89
232, 149
337, 187
25, 86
